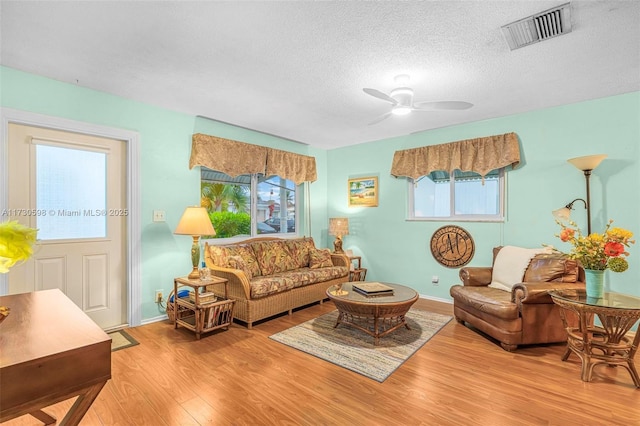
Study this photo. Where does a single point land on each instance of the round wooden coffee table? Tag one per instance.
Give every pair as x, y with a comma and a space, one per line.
375, 315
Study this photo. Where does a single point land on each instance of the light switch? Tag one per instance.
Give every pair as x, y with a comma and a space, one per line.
158, 216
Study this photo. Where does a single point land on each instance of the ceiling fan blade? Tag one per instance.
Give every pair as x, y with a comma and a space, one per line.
379, 119
442, 105
378, 94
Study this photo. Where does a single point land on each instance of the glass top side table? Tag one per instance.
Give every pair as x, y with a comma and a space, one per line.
606, 344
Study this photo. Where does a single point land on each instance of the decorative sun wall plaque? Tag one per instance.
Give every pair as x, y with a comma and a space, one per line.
452, 246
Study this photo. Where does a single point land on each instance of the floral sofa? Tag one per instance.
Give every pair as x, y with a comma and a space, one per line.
270, 275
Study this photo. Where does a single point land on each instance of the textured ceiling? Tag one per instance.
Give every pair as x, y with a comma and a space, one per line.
296, 69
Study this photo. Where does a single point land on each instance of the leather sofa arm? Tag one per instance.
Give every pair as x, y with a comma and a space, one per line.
475, 276
538, 292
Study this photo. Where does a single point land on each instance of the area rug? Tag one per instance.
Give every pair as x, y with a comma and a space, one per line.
353, 349
121, 340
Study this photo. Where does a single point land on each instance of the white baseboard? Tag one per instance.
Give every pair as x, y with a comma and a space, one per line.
436, 299
154, 319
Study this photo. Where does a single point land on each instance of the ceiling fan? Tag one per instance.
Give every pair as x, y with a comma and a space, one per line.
401, 99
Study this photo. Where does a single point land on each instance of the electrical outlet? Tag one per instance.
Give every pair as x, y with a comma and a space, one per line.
159, 297
435, 280
158, 216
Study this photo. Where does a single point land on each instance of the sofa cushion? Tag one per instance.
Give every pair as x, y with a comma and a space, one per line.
236, 262
320, 258
510, 265
266, 285
488, 300
282, 281
305, 276
552, 268
246, 253
273, 256
299, 249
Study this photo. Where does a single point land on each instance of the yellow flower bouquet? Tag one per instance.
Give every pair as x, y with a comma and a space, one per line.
16, 244
598, 251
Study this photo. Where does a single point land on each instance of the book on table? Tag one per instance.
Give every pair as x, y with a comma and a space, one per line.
373, 289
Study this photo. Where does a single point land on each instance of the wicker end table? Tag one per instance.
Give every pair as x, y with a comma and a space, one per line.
202, 316
377, 316
607, 344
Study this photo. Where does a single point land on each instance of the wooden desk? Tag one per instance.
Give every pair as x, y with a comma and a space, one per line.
50, 351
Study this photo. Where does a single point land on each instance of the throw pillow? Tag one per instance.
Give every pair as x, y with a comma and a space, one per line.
247, 255
510, 266
219, 256
273, 257
236, 262
299, 250
320, 259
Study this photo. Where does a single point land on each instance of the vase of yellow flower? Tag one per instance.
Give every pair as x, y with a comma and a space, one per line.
16, 245
597, 253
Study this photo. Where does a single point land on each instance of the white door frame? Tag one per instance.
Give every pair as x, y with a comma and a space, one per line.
134, 235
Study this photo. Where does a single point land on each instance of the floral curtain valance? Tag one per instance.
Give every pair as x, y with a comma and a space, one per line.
238, 158
227, 156
295, 167
479, 155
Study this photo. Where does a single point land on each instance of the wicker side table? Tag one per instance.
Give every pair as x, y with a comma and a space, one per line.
203, 316
358, 273
606, 344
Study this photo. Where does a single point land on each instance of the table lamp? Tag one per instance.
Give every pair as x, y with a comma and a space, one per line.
338, 227
195, 222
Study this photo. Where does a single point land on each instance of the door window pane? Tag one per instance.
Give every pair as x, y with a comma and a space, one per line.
70, 193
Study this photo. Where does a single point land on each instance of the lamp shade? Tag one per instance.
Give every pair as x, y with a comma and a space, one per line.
195, 221
562, 214
588, 162
338, 226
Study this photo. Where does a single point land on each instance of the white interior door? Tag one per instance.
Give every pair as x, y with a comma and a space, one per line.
71, 187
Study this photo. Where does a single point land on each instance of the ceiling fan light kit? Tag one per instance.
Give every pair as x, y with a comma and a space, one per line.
400, 110
401, 99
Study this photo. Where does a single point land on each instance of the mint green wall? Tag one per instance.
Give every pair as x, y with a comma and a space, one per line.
166, 181
393, 249
397, 250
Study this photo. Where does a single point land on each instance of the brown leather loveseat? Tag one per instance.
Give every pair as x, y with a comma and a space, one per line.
526, 314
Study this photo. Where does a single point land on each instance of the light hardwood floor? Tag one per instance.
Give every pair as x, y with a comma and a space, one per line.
241, 377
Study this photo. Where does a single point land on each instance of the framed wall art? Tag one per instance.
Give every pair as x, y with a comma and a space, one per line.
363, 192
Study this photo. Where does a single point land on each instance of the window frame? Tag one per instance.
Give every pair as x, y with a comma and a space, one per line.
253, 191
499, 217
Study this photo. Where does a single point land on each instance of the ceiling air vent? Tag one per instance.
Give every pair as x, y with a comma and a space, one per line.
539, 27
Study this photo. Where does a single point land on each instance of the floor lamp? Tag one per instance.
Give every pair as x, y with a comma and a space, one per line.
587, 164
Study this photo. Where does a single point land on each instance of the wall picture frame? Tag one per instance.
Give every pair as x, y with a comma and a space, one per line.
363, 192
